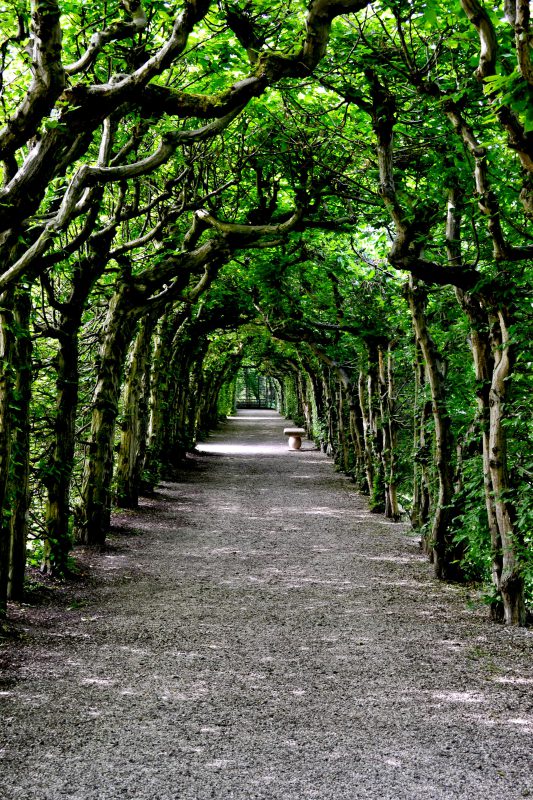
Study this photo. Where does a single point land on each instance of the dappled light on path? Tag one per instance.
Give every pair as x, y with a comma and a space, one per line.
242, 449
263, 635
254, 417
270, 442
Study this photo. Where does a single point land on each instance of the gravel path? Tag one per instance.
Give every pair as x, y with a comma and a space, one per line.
263, 636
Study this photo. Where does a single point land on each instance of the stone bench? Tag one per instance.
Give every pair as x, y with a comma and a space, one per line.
295, 437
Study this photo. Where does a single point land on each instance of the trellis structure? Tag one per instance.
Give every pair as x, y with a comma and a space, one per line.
255, 390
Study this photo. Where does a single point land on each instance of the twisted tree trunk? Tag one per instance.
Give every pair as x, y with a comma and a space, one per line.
492, 354
511, 579
446, 553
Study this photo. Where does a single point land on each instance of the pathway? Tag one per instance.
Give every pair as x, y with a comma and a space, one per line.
264, 636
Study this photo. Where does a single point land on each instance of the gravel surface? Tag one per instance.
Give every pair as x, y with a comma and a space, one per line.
253, 632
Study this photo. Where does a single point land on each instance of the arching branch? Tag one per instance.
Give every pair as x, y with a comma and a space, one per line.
48, 79
241, 235
479, 17
115, 32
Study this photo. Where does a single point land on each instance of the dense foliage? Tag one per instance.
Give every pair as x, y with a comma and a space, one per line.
339, 197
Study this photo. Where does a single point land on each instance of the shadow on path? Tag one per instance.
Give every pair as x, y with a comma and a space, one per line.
264, 636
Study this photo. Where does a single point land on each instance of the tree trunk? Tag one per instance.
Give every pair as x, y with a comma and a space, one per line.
304, 399
192, 404
94, 512
356, 435
512, 581
421, 455
330, 415
188, 349
446, 554
159, 399
484, 368
218, 383
389, 432
179, 442
6, 397
59, 474
375, 431
20, 470
134, 413
344, 447
318, 395
174, 439
492, 361
367, 432
58, 477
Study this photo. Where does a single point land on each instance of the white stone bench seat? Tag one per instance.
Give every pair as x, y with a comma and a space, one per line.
295, 437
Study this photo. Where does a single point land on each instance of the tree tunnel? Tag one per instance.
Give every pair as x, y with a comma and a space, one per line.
197, 213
